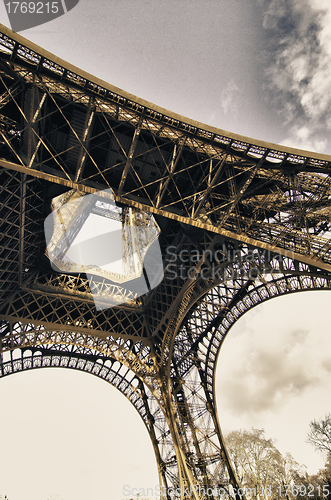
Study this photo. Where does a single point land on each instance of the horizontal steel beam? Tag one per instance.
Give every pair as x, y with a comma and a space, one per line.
76, 77
170, 215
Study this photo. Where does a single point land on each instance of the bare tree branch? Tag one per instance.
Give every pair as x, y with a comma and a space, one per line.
320, 434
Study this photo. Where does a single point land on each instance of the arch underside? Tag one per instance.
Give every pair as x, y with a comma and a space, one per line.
76, 357
212, 311
195, 351
241, 222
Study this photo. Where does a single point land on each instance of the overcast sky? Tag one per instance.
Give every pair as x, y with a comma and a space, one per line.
259, 68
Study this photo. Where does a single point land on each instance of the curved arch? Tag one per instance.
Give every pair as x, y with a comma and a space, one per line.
254, 296
137, 356
70, 426
125, 381
195, 350
272, 373
212, 307
52, 359
251, 192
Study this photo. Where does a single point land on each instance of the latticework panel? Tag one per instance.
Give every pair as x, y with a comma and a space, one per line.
22, 220
241, 222
113, 372
59, 124
192, 361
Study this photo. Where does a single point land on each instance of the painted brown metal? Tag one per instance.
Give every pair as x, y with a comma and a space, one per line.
241, 220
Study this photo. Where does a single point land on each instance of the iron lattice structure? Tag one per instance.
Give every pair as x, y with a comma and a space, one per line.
255, 217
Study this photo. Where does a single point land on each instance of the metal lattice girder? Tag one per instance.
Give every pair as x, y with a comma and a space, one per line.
207, 319
270, 196
108, 369
255, 216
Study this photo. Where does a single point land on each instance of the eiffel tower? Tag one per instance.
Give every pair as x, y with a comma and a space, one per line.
241, 221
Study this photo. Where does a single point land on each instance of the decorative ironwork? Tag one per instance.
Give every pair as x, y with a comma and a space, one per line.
240, 222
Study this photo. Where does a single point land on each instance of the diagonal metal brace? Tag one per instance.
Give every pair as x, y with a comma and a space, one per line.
131, 151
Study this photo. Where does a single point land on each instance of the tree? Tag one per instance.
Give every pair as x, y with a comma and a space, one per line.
320, 437
320, 434
261, 469
315, 486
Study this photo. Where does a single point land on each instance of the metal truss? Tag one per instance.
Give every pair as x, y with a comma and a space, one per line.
241, 222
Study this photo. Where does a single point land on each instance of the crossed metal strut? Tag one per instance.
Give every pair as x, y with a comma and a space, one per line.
241, 222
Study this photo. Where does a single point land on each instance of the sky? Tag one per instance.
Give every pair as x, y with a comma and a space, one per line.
260, 69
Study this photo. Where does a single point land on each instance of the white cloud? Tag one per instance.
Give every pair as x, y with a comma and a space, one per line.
229, 97
274, 11
274, 371
269, 368
303, 137
298, 62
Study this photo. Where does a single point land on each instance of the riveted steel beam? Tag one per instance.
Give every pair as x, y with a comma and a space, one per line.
131, 151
